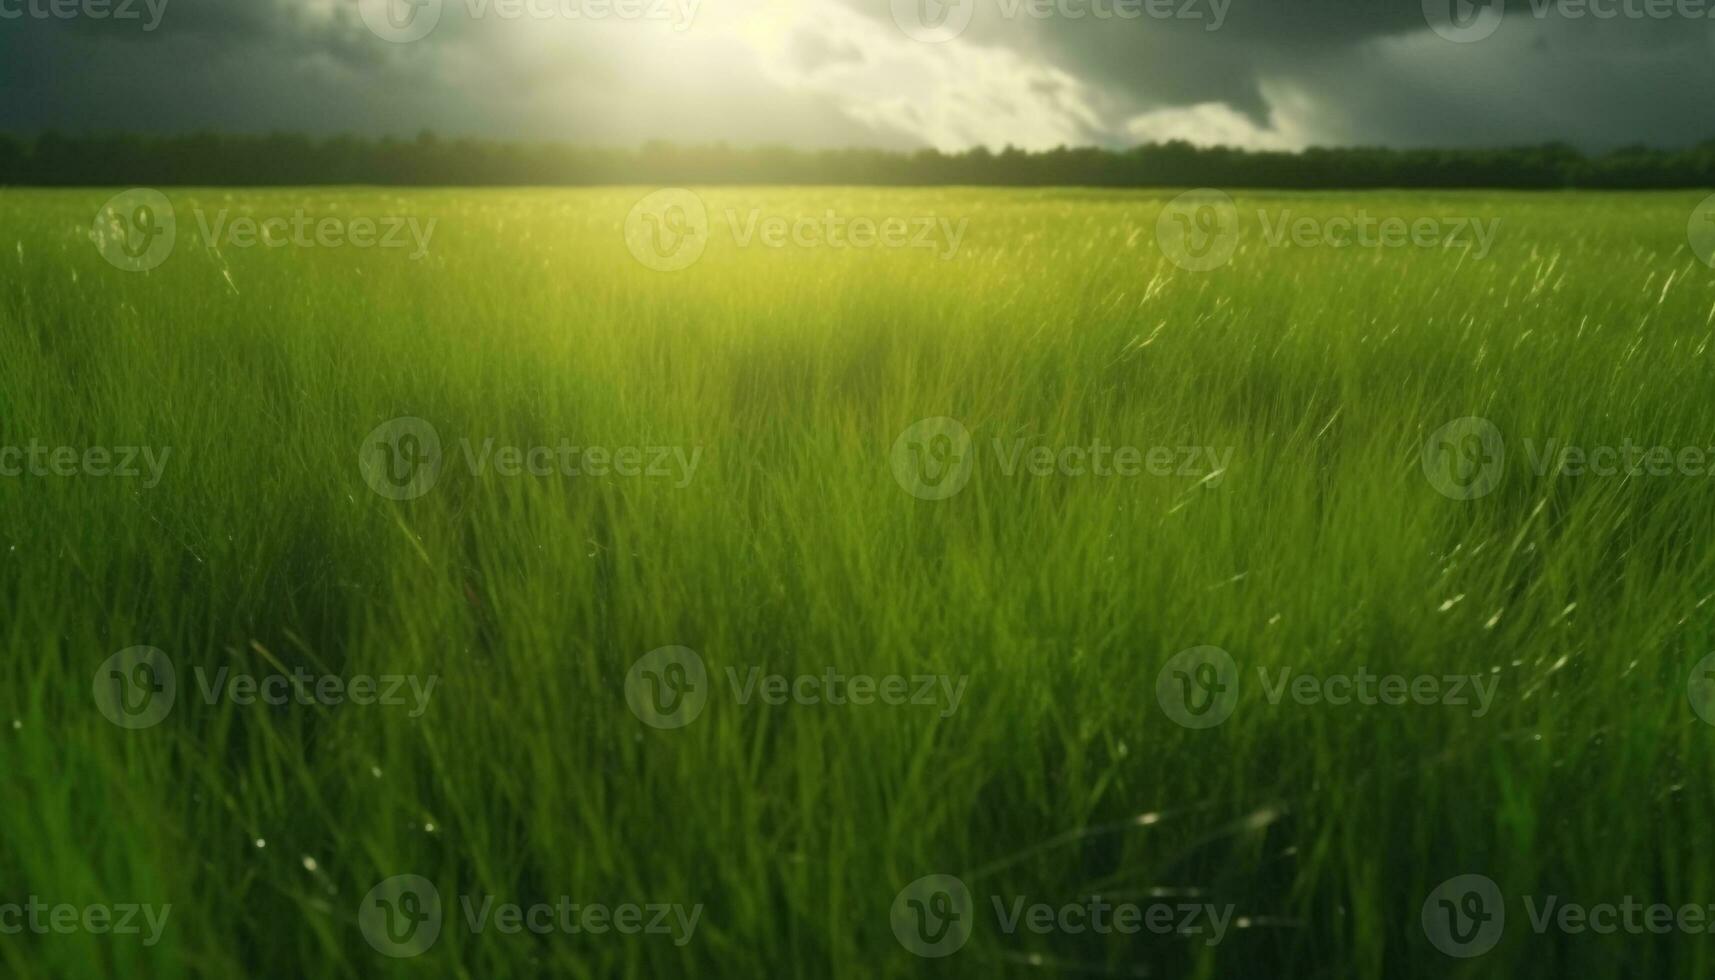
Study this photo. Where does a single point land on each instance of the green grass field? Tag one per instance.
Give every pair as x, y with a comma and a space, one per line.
754, 418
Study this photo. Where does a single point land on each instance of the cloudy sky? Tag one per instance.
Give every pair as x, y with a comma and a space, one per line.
889, 73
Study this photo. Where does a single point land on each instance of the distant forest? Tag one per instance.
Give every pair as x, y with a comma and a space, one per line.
283, 159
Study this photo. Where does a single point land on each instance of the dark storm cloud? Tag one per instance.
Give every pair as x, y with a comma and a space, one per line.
210, 64
1376, 74
1277, 73
1596, 85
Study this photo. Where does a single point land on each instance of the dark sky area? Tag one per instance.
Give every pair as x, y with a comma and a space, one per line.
885, 73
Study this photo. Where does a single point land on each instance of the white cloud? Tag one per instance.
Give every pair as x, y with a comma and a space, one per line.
1293, 123
950, 96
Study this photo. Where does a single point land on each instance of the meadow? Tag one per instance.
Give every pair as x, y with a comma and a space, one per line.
1044, 545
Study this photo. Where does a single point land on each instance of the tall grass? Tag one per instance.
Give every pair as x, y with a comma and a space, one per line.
1322, 547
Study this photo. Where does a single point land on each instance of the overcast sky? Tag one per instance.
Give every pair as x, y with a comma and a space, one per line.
889, 73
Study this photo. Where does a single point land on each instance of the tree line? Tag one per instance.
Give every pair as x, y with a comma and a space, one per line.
55, 160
